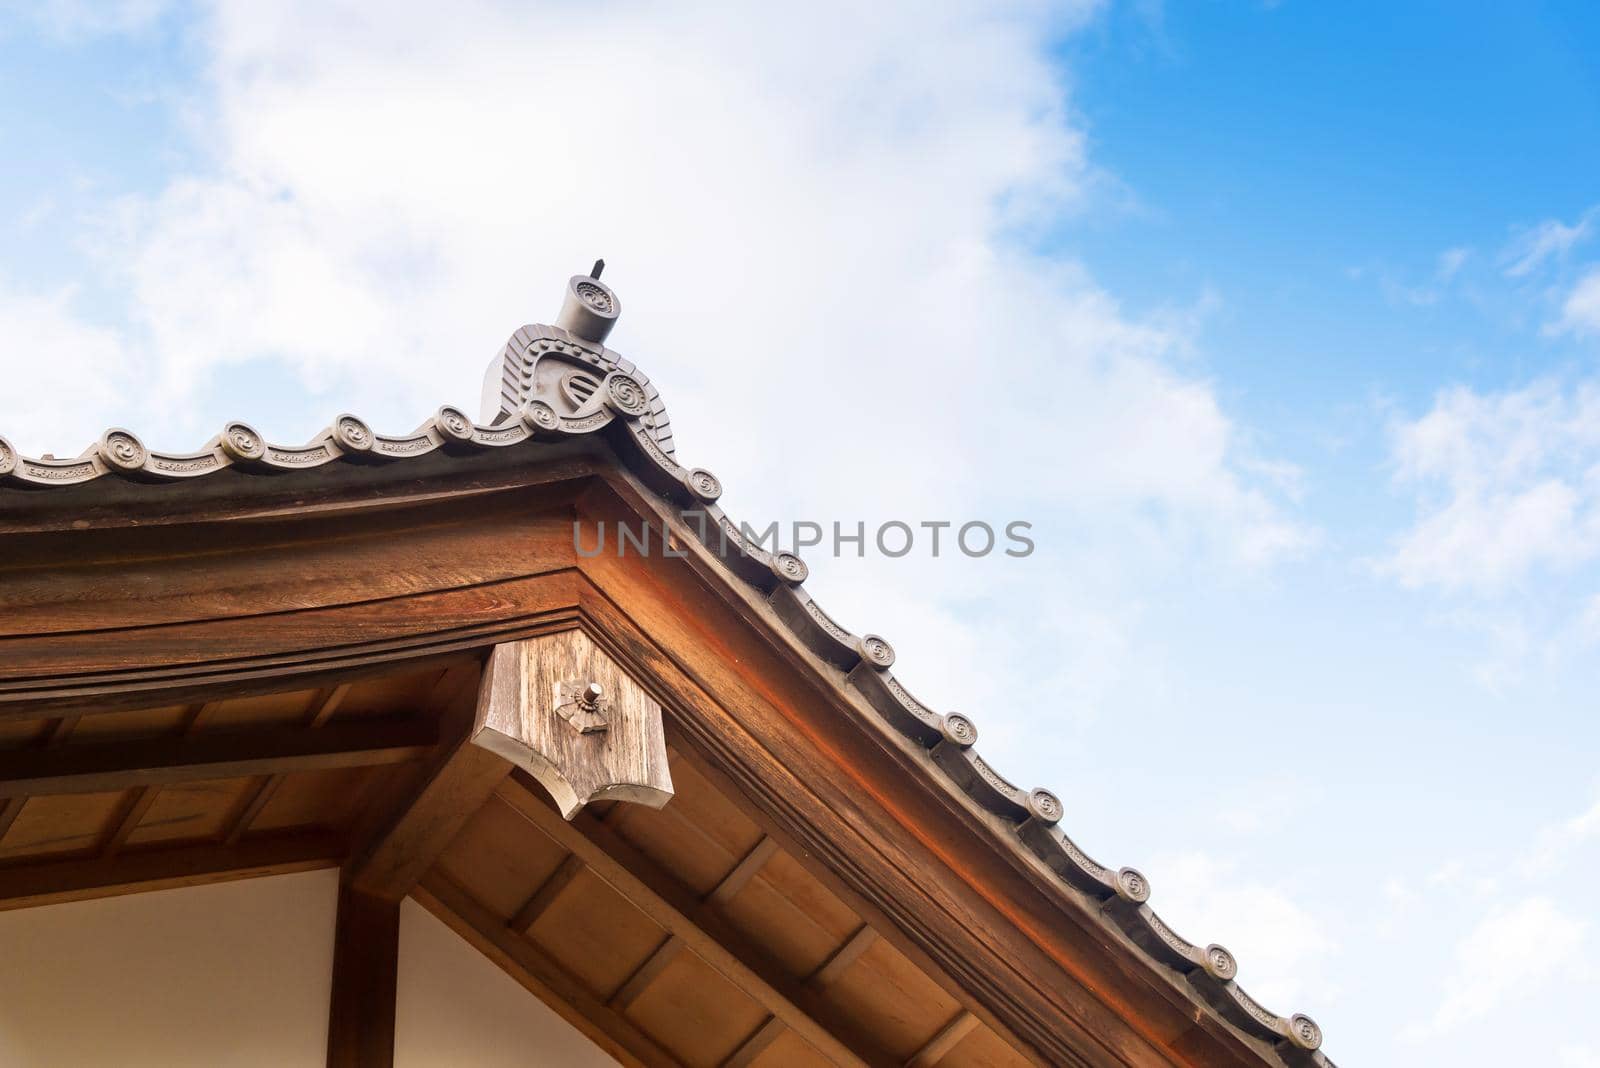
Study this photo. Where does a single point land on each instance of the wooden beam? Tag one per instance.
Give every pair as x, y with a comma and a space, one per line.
366, 951
78, 769
459, 779
542, 898
720, 895
747, 868
323, 705
53, 882
754, 1046
546, 979
646, 973
829, 970
948, 1038
129, 813
826, 973
138, 801
55, 733
879, 923
680, 912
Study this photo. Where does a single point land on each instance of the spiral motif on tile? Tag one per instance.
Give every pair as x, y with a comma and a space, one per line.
452, 424
1044, 806
790, 568
703, 484
1305, 1033
8, 457
241, 441
626, 394
596, 297
539, 416
875, 651
1220, 963
352, 434
959, 730
122, 450
1133, 886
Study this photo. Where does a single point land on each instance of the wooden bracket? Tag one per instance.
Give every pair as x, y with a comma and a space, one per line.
563, 711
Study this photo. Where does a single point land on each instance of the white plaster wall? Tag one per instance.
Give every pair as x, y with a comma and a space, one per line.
236, 976
454, 1007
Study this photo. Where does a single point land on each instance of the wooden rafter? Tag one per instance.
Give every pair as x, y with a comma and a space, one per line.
139, 800
753, 1047
648, 972
460, 778
681, 913
261, 790
73, 769
55, 733
539, 973
948, 1038
162, 869
825, 975
545, 896
672, 945
879, 925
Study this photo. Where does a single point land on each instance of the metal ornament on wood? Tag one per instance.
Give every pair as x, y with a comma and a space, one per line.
563, 711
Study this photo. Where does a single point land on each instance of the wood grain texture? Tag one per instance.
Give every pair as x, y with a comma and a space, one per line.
366, 954
949, 1036
546, 895
646, 973
758, 1043
546, 979
56, 732
45, 674
763, 708
92, 768
860, 807
53, 882
528, 714
460, 778
680, 912
777, 747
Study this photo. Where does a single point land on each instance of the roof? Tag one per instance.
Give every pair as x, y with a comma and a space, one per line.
551, 385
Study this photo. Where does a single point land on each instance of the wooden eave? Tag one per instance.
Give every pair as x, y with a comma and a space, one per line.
130, 592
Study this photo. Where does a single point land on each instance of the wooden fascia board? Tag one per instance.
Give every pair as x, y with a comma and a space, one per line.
1005, 884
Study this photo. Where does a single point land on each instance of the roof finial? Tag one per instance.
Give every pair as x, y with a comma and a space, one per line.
590, 309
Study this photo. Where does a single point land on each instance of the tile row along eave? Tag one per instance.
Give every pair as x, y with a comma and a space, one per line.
947, 740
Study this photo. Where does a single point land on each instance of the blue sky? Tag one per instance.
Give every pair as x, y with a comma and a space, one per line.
1278, 321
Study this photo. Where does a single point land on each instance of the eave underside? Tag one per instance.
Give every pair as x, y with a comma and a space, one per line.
327, 652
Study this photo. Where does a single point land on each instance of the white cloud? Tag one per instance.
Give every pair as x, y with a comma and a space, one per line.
1549, 239
821, 241
1281, 948
1507, 482
47, 350
1580, 312
1452, 260
1555, 846
791, 213
1505, 957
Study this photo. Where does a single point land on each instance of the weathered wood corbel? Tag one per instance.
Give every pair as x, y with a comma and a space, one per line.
563, 711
